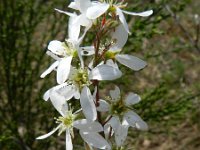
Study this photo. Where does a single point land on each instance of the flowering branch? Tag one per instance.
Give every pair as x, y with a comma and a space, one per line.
74, 80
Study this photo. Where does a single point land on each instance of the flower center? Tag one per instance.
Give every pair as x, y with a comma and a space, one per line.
80, 78
69, 49
118, 107
110, 55
66, 122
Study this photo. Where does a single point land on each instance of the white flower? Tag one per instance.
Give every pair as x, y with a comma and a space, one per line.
119, 109
64, 92
92, 10
63, 52
114, 7
78, 78
105, 72
76, 87
84, 6
119, 38
88, 129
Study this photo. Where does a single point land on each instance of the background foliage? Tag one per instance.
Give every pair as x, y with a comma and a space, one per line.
169, 85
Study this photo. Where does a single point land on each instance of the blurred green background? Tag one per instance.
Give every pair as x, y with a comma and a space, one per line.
169, 85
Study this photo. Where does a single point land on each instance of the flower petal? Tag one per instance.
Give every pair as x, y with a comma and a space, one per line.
122, 18
48, 134
105, 72
103, 106
121, 134
88, 126
132, 99
142, 14
95, 140
141, 125
73, 29
135, 121
50, 69
77, 94
97, 10
131, 61
120, 36
46, 95
115, 94
68, 139
56, 47
63, 69
110, 62
64, 12
58, 102
73, 6
53, 55
83, 5
68, 91
114, 122
82, 20
87, 51
87, 104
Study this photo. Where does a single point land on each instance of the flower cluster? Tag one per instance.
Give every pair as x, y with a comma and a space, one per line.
80, 70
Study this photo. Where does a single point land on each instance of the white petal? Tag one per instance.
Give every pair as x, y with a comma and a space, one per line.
58, 102
87, 104
95, 140
83, 5
50, 69
103, 106
73, 6
79, 42
68, 91
46, 95
121, 134
53, 55
142, 14
108, 132
132, 99
48, 134
97, 10
135, 121
77, 94
68, 139
141, 125
82, 20
84, 33
105, 72
88, 126
122, 18
120, 36
63, 69
73, 29
114, 122
111, 63
64, 12
131, 61
57, 48
115, 94
87, 51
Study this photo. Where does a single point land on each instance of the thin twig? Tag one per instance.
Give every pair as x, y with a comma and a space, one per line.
187, 34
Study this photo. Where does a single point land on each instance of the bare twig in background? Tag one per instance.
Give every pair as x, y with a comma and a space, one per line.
197, 22
193, 42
